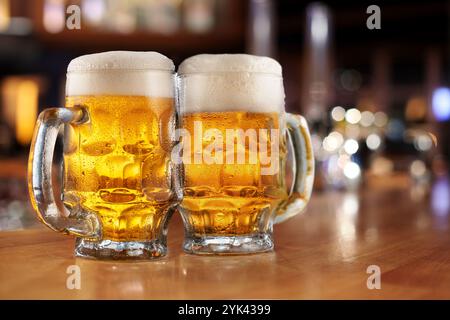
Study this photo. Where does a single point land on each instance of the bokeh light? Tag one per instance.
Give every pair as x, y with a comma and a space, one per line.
423, 142
395, 129
441, 104
373, 141
353, 116
352, 170
333, 141
54, 16
319, 24
351, 146
338, 113
418, 168
416, 109
367, 118
440, 197
380, 119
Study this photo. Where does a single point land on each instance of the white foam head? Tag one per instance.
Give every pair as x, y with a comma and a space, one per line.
121, 73
231, 82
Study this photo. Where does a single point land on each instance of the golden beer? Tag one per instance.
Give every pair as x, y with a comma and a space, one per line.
119, 185
232, 199
116, 164
235, 192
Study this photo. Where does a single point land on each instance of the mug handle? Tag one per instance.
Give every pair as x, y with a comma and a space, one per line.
53, 213
303, 170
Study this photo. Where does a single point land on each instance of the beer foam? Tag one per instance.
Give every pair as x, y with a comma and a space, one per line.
121, 73
231, 82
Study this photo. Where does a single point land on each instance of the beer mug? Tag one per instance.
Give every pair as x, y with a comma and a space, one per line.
235, 136
119, 186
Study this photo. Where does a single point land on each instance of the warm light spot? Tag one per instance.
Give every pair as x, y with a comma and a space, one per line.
4, 15
381, 166
20, 105
352, 131
26, 112
9, 99
433, 138
366, 103
416, 109
418, 168
381, 119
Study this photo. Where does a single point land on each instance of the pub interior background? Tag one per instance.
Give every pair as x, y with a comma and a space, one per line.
377, 101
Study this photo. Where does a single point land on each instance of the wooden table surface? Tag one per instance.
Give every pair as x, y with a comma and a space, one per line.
323, 253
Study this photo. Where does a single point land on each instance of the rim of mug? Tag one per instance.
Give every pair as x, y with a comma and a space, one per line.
120, 71
212, 73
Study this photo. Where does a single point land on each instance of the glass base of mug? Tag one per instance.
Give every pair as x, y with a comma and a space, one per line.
117, 250
228, 245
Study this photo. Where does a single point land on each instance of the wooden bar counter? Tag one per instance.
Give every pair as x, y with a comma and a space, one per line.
323, 254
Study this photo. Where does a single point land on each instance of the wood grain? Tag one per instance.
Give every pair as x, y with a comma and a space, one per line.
323, 254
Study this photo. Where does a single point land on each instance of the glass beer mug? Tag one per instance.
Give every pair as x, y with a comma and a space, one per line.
235, 136
119, 187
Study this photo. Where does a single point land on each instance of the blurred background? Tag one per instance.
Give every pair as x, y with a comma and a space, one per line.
377, 101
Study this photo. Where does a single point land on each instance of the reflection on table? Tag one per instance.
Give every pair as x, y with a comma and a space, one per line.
323, 253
